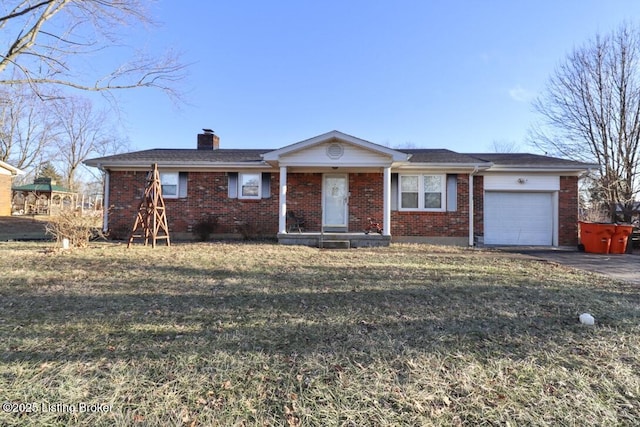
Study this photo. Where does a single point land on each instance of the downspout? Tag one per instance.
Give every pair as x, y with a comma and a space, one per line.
105, 200
471, 213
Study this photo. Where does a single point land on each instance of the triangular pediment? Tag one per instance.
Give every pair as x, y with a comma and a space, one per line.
334, 148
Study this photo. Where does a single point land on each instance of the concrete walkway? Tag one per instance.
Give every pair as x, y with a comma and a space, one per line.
624, 267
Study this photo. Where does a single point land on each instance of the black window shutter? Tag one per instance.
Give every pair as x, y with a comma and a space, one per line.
232, 185
183, 178
394, 191
452, 192
266, 185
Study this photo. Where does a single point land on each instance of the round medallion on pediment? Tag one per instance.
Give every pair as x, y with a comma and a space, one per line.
335, 151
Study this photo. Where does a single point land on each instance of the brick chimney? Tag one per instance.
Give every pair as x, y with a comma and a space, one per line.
208, 140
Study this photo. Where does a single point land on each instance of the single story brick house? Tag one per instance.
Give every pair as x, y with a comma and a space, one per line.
7, 173
335, 182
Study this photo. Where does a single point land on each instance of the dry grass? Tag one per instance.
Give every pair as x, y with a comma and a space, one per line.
242, 334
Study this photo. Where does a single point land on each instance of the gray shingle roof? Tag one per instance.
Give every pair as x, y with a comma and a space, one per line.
183, 155
438, 155
525, 159
421, 155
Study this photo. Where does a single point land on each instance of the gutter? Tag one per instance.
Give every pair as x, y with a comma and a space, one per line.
542, 169
13, 170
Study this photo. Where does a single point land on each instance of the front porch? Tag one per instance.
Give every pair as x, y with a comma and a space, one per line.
334, 240
336, 182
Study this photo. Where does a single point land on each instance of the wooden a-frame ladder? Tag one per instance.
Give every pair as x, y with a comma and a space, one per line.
151, 219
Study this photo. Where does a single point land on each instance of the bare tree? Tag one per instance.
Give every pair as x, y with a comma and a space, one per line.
591, 112
504, 146
82, 131
42, 41
26, 127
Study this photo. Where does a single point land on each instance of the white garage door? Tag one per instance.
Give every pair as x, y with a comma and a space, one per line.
518, 218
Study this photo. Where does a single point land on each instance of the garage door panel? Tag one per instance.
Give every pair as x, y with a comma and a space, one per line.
518, 218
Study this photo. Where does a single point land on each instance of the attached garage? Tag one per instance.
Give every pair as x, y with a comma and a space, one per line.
521, 210
518, 218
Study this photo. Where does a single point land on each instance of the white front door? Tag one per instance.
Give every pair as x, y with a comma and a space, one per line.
335, 201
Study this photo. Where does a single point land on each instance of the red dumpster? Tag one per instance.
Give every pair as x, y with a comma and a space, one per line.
596, 237
620, 238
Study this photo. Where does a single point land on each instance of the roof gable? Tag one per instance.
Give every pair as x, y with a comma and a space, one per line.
327, 139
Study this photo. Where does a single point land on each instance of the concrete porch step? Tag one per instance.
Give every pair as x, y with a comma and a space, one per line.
335, 244
347, 240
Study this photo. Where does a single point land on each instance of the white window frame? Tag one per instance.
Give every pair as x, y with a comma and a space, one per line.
421, 192
167, 178
241, 176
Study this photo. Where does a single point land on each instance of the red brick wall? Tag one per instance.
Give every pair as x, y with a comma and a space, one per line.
568, 211
366, 199
304, 198
478, 205
206, 195
5, 195
436, 224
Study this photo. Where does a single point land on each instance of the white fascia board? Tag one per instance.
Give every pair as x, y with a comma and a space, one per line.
445, 167
182, 166
339, 165
339, 169
12, 169
559, 170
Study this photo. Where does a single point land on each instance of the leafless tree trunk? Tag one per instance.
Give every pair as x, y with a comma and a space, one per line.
44, 40
591, 112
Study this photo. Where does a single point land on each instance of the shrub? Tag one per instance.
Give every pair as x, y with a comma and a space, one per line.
75, 227
248, 230
251, 231
204, 228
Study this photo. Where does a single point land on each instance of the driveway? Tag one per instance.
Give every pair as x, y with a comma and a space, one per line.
23, 227
625, 267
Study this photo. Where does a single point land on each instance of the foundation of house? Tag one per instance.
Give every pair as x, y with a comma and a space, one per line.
334, 240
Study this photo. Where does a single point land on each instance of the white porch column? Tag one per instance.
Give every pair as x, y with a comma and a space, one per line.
282, 223
386, 195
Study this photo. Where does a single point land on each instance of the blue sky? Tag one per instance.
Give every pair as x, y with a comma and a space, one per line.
433, 74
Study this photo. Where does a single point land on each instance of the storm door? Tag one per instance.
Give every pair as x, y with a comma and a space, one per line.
335, 202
